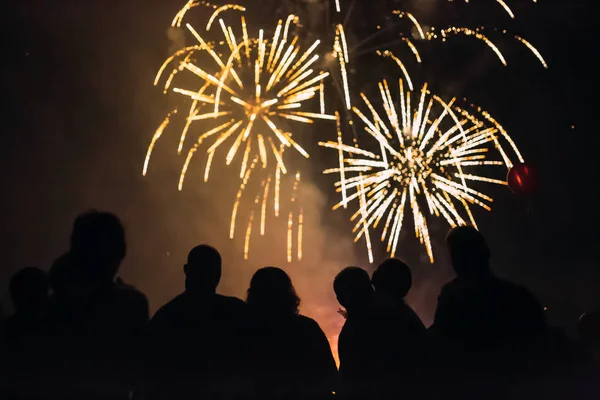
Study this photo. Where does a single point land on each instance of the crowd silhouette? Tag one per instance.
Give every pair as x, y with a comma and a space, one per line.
79, 332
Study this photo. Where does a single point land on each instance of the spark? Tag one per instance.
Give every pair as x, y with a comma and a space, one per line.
506, 8
300, 233
340, 51
277, 188
208, 163
222, 9
181, 13
391, 55
157, 134
264, 207
413, 49
290, 236
248, 233
420, 172
533, 50
470, 32
413, 20
238, 198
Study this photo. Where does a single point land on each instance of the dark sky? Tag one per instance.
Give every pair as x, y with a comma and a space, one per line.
79, 109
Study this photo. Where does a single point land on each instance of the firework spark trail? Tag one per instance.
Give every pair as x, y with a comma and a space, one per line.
300, 233
248, 233
413, 48
387, 53
340, 51
469, 32
504, 5
412, 18
290, 236
533, 50
506, 8
419, 171
157, 134
239, 197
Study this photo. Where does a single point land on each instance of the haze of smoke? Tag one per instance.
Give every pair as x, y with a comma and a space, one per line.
176, 38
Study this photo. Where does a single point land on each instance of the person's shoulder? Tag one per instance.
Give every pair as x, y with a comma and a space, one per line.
512, 288
307, 323
516, 292
231, 303
450, 288
130, 294
174, 303
167, 311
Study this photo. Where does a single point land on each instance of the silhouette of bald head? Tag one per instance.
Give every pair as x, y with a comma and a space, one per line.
353, 288
98, 245
469, 252
203, 270
392, 277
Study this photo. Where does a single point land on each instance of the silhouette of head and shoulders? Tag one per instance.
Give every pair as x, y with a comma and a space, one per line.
275, 306
202, 276
470, 258
353, 289
398, 348
355, 293
272, 298
86, 275
478, 307
392, 281
98, 247
289, 350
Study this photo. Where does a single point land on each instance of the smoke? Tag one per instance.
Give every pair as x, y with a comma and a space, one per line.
176, 36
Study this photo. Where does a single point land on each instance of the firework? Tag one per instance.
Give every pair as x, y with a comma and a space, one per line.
252, 86
426, 158
248, 94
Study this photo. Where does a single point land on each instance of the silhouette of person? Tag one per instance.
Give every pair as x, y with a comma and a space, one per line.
30, 291
483, 323
358, 365
67, 290
290, 355
401, 334
27, 328
197, 341
101, 323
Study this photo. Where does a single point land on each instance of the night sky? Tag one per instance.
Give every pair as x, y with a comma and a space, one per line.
79, 110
